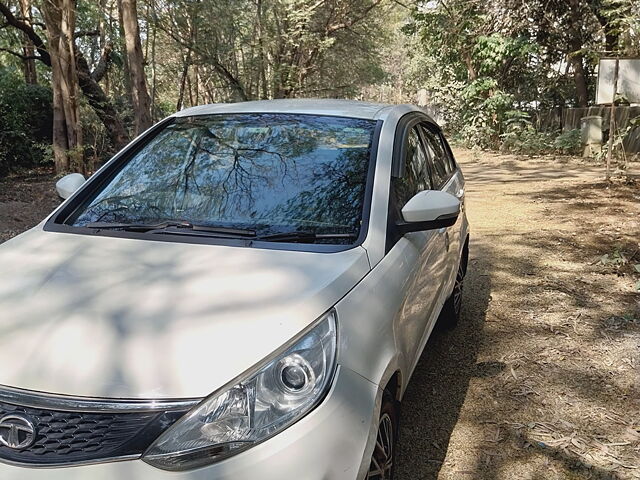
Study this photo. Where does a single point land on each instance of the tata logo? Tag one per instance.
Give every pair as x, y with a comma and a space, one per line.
17, 432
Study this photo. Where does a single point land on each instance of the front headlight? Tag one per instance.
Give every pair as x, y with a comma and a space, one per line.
266, 400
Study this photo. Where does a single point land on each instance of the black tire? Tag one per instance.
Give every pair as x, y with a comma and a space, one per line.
383, 458
450, 314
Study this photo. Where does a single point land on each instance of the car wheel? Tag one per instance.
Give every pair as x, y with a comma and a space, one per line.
383, 457
450, 314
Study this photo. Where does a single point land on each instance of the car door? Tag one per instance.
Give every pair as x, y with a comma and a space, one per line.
457, 188
445, 177
424, 252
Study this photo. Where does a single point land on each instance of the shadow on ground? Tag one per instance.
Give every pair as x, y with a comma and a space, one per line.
436, 393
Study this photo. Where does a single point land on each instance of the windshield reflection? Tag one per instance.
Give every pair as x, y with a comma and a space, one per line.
269, 172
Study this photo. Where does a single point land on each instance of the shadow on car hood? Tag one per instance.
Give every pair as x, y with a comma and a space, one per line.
123, 318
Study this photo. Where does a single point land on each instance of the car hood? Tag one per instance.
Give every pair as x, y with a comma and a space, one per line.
125, 318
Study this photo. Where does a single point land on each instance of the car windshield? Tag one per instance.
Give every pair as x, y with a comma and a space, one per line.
271, 173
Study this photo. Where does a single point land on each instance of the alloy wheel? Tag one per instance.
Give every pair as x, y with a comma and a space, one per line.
382, 458
457, 290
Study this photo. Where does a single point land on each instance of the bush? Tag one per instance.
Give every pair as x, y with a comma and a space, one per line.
483, 109
26, 119
568, 143
527, 141
521, 137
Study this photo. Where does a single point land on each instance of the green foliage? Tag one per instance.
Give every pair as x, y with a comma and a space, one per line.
521, 137
491, 58
569, 142
25, 123
618, 259
475, 68
527, 141
619, 137
494, 52
276, 48
482, 114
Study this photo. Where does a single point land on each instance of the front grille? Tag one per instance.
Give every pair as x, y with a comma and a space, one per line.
65, 437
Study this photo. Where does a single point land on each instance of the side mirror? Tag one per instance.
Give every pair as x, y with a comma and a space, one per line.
69, 184
429, 210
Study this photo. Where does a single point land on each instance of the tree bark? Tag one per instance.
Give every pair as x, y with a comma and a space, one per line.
153, 60
125, 59
611, 34
67, 133
100, 103
576, 59
139, 93
103, 64
87, 80
468, 61
262, 75
185, 69
29, 64
29, 32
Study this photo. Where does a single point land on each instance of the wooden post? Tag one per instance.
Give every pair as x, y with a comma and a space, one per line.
612, 118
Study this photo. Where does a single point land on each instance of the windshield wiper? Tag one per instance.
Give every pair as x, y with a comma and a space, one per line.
180, 226
187, 228
305, 236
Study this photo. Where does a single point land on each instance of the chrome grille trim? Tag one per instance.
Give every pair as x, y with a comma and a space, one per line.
30, 398
70, 464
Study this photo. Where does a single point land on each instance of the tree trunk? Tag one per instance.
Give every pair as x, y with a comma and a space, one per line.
608, 24
468, 61
139, 93
101, 105
262, 76
125, 59
29, 64
183, 79
154, 77
88, 81
576, 59
185, 67
67, 133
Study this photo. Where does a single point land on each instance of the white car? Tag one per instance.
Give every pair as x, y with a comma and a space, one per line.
242, 293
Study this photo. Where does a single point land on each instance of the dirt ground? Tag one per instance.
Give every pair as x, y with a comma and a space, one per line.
25, 200
541, 380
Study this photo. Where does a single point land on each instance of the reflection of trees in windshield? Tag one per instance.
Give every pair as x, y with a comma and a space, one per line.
335, 203
275, 171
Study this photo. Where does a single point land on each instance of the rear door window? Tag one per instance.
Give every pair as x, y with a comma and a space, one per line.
439, 164
415, 177
448, 153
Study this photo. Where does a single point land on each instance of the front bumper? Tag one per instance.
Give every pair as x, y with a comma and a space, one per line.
328, 444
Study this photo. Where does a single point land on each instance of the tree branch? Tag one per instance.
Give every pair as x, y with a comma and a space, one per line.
100, 103
104, 62
86, 33
88, 83
29, 32
331, 29
223, 72
19, 55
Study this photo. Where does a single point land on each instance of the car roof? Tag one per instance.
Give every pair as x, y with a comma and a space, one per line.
338, 108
